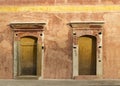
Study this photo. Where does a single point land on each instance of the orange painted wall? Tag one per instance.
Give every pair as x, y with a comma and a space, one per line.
58, 38
58, 2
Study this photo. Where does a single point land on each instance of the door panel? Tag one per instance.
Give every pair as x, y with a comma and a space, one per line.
87, 55
28, 56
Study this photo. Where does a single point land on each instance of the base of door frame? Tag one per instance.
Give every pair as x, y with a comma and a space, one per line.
86, 77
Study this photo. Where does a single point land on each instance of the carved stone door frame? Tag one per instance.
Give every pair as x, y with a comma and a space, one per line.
92, 28
27, 29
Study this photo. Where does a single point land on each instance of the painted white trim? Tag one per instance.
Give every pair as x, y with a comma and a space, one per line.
28, 22
42, 64
99, 59
86, 22
15, 58
75, 60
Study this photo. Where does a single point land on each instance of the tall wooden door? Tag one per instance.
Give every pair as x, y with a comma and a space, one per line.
28, 56
87, 55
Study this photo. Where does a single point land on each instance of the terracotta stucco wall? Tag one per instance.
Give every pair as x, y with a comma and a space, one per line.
58, 2
111, 43
58, 35
58, 42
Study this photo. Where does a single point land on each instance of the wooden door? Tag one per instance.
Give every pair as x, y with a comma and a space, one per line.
87, 55
28, 56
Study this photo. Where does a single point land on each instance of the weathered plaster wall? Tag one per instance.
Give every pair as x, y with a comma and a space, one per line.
111, 42
58, 2
58, 54
58, 42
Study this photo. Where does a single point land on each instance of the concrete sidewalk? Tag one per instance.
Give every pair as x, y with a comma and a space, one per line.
59, 82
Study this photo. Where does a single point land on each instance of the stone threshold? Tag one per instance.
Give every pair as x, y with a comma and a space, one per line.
59, 82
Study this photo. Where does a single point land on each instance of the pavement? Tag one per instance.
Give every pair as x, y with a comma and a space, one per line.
60, 82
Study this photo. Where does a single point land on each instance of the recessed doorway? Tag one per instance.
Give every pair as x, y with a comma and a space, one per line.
28, 50
87, 55
28, 56
87, 49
